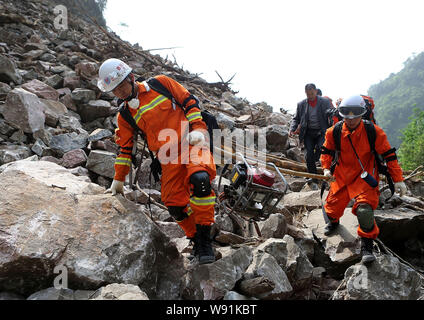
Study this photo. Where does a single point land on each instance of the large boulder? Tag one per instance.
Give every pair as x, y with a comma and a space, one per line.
385, 279
97, 238
24, 110
95, 109
53, 110
102, 163
63, 143
295, 201
277, 138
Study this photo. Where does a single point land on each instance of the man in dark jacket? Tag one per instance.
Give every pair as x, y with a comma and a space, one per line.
311, 122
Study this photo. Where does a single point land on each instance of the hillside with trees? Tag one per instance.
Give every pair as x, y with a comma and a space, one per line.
397, 96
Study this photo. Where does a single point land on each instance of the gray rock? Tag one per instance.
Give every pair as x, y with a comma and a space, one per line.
41, 90
72, 124
24, 110
225, 237
102, 163
213, 281
48, 57
99, 134
5, 128
340, 250
277, 138
18, 137
117, 291
299, 200
68, 222
83, 96
40, 149
385, 279
8, 71
13, 153
95, 109
171, 229
44, 135
63, 143
224, 121
52, 159
79, 171
236, 102
4, 90
265, 265
224, 223
228, 107
68, 102
274, 227
53, 111
72, 82
54, 81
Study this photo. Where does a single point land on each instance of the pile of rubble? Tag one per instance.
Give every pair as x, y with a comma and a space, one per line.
57, 154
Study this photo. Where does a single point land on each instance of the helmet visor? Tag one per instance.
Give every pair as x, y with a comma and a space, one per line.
351, 112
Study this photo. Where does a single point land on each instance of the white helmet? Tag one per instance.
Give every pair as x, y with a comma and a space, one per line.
111, 73
352, 107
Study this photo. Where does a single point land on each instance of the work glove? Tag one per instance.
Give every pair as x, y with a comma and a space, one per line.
327, 173
400, 187
196, 137
116, 187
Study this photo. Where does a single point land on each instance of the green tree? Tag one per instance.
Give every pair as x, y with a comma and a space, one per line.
396, 97
411, 151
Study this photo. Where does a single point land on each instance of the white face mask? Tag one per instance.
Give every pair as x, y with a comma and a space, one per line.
134, 103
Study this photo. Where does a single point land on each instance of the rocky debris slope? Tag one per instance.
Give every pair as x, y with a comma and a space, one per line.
56, 156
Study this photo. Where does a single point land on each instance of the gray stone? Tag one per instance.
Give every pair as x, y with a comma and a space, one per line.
99, 238
24, 110
40, 149
295, 201
236, 102
274, 227
224, 121
265, 265
8, 71
72, 124
117, 291
83, 96
72, 82
44, 135
213, 281
79, 171
53, 111
13, 153
5, 128
232, 295
95, 109
48, 57
54, 81
171, 229
41, 89
277, 138
102, 163
4, 90
51, 159
99, 134
63, 143
18, 137
68, 102
385, 279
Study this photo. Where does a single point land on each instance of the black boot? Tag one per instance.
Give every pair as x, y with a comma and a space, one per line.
204, 244
366, 250
331, 227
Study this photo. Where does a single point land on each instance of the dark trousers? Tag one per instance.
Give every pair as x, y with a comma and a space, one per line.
313, 143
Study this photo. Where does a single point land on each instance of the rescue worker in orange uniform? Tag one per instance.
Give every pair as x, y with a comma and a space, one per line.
178, 141
346, 179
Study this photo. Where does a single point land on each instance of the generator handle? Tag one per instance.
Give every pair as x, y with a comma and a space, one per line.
281, 176
248, 167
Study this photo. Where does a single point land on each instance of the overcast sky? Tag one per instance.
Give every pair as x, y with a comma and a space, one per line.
276, 47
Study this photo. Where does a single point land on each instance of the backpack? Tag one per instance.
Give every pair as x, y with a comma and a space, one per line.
380, 159
156, 85
369, 115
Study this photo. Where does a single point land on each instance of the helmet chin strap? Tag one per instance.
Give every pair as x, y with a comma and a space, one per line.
132, 100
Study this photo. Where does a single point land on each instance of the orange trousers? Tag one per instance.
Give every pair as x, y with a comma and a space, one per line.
336, 204
177, 190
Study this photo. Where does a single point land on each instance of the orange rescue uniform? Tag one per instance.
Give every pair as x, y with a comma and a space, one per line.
349, 184
155, 114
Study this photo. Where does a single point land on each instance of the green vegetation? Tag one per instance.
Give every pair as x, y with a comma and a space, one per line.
411, 152
397, 96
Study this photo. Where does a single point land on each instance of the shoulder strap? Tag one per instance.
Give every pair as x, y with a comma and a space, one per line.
371, 134
337, 134
157, 86
125, 113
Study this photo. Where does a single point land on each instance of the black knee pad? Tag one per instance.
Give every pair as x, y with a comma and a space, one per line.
177, 213
201, 184
365, 216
